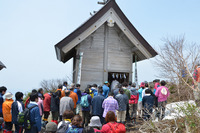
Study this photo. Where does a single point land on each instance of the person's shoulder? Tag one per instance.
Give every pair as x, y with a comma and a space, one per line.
15, 102
33, 106
97, 97
152, 96
102, 97
117, 95
74, 94
68, 98
105, 126
144, 97
106, 99
124, 95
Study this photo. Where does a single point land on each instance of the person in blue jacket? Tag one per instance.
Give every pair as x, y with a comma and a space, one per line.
35, 118
78, 92
2, 92
17, 107
106, 89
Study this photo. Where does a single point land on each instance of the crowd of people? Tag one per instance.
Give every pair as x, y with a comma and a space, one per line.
94, 109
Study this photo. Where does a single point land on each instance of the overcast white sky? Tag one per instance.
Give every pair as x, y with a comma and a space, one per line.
29, 29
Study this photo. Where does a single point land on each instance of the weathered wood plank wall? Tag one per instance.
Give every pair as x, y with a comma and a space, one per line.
119, 56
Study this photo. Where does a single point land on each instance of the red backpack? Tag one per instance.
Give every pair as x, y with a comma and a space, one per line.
118, 128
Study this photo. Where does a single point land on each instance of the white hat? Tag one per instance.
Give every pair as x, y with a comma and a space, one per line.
51, 127
8, 95
95, 122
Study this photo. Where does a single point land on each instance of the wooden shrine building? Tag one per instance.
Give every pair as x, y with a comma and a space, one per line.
104, 47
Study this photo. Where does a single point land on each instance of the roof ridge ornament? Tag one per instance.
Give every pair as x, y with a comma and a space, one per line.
102, 3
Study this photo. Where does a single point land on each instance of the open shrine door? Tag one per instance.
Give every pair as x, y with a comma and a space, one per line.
117, 77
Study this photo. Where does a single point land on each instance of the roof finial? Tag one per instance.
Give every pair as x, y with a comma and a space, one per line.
103, 3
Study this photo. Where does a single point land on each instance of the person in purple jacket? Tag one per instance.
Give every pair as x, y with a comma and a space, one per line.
110, 104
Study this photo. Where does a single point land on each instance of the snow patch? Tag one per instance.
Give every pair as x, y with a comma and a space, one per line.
172, 111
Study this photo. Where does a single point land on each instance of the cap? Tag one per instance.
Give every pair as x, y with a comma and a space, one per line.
142, 84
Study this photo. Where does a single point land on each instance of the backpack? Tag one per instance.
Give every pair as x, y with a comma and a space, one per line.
63, 127
74, 130
91, 93
23, 118
163, 91
118, 128
84, 101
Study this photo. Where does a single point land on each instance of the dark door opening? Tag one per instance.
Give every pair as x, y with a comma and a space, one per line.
113, 77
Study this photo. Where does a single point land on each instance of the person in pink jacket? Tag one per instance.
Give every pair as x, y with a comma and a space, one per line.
162, 93
40, 105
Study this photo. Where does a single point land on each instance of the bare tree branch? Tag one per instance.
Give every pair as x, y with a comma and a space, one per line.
177, 60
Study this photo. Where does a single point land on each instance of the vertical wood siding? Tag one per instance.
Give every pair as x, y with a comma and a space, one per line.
119, 55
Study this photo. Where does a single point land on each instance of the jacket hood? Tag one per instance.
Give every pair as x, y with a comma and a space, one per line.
133, 91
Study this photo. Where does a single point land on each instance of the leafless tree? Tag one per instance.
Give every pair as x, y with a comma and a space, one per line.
176, 62
51, 85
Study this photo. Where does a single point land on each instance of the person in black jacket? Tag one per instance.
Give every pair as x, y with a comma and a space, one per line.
17, 107
55, 102
147, 103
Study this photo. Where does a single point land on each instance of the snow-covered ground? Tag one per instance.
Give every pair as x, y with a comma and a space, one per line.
172, 112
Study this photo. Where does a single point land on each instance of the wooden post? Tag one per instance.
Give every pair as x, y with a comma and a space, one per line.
105, 60
131, 68
79, 68
136, 77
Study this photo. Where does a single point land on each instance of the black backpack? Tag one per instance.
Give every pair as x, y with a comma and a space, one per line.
63, 127
23, 118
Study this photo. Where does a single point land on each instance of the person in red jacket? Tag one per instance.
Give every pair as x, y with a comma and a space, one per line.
28, 99
112, 125
47, 105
